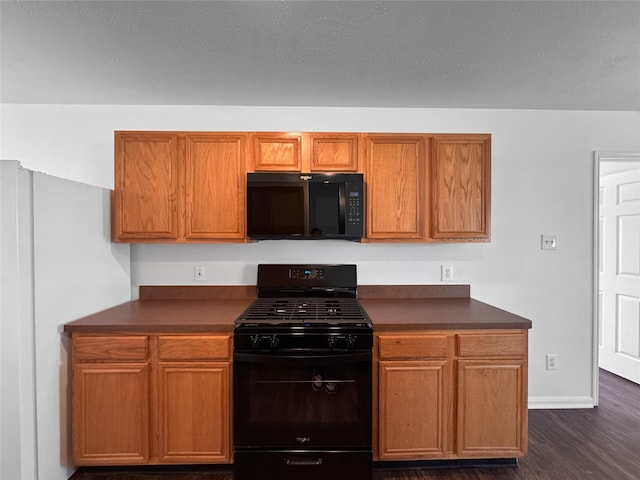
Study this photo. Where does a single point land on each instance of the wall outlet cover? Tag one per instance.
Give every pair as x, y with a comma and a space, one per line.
446, 273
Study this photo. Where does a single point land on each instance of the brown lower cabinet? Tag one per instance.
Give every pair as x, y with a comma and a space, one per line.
161, 399
151, 399
110, 413
451, 395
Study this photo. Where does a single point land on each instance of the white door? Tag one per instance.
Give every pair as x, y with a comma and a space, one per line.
619, 267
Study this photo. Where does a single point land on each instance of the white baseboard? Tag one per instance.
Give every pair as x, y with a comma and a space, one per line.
539, 403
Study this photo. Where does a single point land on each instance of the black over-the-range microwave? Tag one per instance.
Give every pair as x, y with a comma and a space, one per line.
305, 206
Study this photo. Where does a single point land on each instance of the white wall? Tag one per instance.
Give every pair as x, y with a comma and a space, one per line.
542, 178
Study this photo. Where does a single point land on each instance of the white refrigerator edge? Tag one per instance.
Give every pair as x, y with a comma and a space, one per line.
57, 264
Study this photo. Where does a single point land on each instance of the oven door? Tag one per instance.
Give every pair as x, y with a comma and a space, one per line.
294, 400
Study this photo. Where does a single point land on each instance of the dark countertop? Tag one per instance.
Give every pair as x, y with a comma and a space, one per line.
214, 309
176, 316
389, 314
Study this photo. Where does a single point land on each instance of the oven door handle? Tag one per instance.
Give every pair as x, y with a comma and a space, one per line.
301, 359
304, 462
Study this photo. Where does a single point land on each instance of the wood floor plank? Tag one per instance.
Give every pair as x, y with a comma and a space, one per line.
602, 443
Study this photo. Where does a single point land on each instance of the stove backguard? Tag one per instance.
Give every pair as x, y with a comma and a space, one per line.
307, 280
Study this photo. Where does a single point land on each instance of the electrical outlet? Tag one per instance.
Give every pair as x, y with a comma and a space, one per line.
446, 273
552, 361
199, 274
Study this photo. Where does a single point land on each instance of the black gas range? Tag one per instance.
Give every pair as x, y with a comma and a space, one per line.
303, 377
305, 306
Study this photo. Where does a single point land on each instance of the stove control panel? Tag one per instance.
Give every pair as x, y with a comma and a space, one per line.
263, 341
306, 273
287, 280
342, 342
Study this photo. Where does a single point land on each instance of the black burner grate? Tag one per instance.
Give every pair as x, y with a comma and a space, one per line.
305, 309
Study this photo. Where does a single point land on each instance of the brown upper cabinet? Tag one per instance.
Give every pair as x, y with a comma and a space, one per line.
395, 175
215, 186
189, 187
334, 152
460, 186
428, 188
277, 152
304, 152
147, 182
179, 187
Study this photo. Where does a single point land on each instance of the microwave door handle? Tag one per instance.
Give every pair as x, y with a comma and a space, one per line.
306, 195
342, 208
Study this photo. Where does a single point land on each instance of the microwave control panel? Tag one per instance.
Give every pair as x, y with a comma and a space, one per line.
354, 205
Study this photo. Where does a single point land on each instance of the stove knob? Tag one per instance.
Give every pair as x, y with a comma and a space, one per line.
351, 341
255, 341
332, 341
274, 342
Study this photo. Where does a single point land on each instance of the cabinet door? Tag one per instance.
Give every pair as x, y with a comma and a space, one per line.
492, 408
334, 152
395, 174
412, 410
215, 186
194, 413
110, 405
146, 196
460, 186
281, 152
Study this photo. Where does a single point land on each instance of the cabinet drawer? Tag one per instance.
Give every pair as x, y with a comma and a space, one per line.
117, 348
412, 346
492, 345
194, 347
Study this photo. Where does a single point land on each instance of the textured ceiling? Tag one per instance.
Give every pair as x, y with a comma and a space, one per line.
572, 55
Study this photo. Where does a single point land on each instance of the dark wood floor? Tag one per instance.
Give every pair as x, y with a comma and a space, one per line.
600, 444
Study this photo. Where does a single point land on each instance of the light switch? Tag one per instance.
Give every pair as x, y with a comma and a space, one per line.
549, 241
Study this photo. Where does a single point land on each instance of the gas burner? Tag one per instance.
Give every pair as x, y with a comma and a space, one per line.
304, 310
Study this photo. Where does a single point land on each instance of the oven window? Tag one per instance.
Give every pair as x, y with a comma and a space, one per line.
310, 404
275, 210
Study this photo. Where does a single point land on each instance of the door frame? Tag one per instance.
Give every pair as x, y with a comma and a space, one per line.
598, 157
